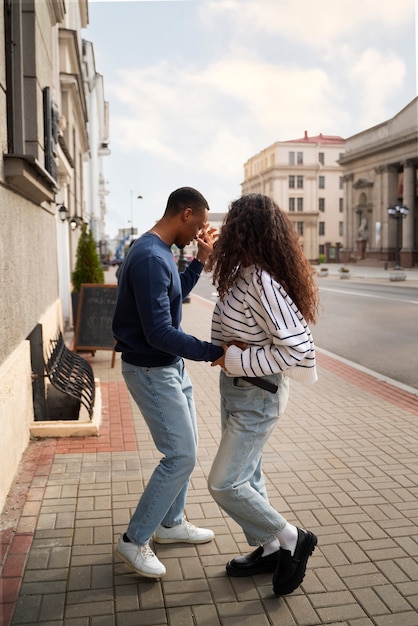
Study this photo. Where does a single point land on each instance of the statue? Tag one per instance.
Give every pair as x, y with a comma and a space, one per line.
362, 231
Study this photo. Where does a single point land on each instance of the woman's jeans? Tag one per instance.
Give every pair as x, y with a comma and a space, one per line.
164, 396
248, 416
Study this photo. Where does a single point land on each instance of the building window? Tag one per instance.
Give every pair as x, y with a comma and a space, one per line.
341, 182
341, 229
291, 205
321, 228
299, 228
291, 158
300, 158
32, 131
341, 205
291, 182
321, 182
300, 182
321, 158
300, 204
321, 205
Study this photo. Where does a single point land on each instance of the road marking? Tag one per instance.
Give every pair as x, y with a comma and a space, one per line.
366, 295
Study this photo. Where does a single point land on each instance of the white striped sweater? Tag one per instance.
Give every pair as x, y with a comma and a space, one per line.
259, 312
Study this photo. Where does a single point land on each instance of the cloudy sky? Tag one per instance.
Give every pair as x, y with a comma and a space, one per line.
196, 87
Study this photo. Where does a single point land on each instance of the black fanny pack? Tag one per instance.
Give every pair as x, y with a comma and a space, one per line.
259, 382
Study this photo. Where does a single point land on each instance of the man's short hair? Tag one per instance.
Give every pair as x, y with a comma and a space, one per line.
185, 198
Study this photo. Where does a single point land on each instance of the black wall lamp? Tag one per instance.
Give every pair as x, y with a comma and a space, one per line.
74, 221
398, 212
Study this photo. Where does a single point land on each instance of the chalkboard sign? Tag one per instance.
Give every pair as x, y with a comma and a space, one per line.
93, 330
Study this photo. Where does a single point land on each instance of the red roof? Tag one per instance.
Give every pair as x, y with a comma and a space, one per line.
332, 139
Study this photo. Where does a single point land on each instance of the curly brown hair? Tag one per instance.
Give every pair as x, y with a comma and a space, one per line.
256, 232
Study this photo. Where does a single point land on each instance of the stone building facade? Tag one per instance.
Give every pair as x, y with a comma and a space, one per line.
380, 171
304, 177
44, 151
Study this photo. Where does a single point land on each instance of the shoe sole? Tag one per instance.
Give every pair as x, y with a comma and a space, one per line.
238, 572
169, 540
297, 580
129, 563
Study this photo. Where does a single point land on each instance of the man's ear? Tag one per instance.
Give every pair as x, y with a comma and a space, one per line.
187, 214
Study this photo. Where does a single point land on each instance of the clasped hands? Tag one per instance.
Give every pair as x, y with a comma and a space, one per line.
225, 346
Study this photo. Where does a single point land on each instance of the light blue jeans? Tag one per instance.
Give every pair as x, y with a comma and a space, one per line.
236, 481
164, 396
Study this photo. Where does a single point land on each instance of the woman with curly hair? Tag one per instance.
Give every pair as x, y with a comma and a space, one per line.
267, 297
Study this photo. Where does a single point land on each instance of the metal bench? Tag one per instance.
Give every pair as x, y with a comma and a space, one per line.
70, 373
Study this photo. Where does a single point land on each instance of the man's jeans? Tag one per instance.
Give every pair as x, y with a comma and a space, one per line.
164, 396
236, 482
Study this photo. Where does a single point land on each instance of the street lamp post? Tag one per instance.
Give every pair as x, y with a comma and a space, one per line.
132, 212
398, 212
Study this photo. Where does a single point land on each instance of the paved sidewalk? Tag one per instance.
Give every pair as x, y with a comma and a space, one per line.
343, 463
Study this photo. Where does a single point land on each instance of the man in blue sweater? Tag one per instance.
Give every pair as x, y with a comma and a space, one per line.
146, 327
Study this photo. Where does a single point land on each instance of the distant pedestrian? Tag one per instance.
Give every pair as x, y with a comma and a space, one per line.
146, 326
267, 296
120, 264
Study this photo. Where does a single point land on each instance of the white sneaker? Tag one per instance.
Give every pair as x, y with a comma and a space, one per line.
139, 558
183, 533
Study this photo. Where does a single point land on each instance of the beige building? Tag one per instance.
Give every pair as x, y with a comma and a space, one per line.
304, 177
45, 147
380, 173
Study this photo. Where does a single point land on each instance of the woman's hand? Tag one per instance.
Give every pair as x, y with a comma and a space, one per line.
205, 240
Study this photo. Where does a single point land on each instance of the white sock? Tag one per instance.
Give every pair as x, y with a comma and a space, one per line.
288, 538
270, 547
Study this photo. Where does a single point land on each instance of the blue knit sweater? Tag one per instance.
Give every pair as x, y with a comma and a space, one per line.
147, 318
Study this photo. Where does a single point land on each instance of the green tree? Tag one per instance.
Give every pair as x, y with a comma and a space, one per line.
88, 268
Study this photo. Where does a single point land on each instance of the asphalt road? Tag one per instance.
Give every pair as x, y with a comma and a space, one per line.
372, 324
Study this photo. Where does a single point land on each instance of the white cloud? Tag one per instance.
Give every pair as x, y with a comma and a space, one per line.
224, 154
236, 97
266, 90
317, 23
375, 76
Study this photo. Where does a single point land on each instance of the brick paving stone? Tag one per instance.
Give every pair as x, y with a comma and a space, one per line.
153, 617
247, 620
346, 612
406, 619
244, 609
245, 589
302, 610
371, 602
101, 620
182, 615
89, 609
127, 598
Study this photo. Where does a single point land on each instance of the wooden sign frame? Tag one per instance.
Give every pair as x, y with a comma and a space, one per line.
93, 328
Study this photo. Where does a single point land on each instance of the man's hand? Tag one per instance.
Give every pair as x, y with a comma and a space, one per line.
221, 360
205, 240
225, 346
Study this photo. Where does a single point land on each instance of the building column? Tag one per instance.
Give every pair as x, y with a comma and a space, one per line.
349, 215
390, 197
408, 200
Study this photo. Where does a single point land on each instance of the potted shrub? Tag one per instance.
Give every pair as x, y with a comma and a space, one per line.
88, 268
344, 272
323, 271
